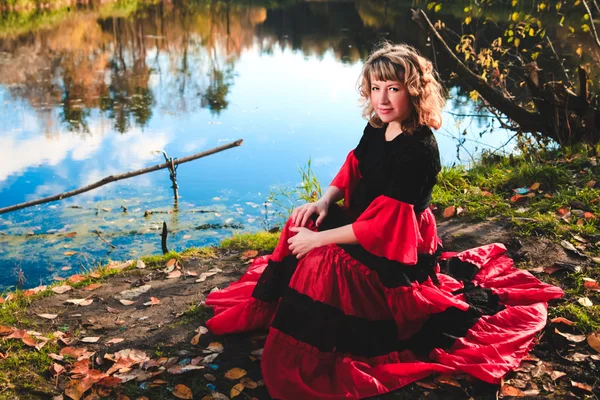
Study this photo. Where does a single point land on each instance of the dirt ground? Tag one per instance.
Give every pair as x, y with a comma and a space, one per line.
167, 329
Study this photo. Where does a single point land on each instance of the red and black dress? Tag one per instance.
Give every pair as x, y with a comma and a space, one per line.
353, 321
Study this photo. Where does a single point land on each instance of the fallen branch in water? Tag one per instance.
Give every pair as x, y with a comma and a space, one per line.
97, 232
114, 178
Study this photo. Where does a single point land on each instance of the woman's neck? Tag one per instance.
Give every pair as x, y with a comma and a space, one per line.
392, 131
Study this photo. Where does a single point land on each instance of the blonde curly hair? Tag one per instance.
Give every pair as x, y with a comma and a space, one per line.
403, 63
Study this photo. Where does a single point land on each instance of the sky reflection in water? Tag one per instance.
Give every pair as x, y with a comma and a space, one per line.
114, 101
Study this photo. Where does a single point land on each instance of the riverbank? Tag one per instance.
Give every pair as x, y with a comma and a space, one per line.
135, 329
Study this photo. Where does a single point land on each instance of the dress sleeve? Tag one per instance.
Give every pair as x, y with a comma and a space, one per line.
389, 227
349, 175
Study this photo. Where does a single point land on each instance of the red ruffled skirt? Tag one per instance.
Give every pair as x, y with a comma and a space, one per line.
344, 323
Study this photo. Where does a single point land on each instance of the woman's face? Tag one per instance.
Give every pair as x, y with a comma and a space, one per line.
391, 101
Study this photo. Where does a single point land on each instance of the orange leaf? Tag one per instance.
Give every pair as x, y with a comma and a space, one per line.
182, 392
485, 193
69, 253
591, 284
517, 197
589, 215
236, 390
95, 275
427, 385
581, 386
71, 234
109, 381
535, 186
5, 330
171, 263
235, 373
511, 391
195, 339
28, 340
449, 211
591, 184
93, 286
593, 340
563, 211
250, 254
447, 380
561, 320
75, 278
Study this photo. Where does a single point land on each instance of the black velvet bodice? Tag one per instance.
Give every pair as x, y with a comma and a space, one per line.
404, 168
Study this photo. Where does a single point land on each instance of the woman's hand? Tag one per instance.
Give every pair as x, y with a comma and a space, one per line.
304, 241
301, 214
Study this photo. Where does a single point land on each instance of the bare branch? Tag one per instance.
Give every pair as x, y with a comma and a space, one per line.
592, 26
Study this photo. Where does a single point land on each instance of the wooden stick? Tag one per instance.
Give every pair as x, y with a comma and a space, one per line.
163, 238
114, 178
97, 232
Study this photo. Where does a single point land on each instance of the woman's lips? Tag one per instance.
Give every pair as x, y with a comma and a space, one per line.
384, 110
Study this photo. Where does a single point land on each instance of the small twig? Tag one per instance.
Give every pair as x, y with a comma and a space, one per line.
97, 232
562, 66
592, 26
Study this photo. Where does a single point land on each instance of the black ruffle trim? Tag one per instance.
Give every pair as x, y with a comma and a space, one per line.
330, 330
275, 279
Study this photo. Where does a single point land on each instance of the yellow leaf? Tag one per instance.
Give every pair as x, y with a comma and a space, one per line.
474, 95
438, 7
579, 51
182, 392
514, 16
585, 27
586, 17
542, 6
467, 20
517, 42
531, 32
235, 373
236, 390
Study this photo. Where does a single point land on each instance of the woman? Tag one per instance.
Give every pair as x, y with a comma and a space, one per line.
356, 298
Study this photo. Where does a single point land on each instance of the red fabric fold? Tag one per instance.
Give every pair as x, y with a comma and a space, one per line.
347, 177
389, 228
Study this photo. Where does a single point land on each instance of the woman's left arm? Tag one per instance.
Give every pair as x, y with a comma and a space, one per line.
305, 240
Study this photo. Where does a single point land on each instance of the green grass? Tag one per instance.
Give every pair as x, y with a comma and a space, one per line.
261, 241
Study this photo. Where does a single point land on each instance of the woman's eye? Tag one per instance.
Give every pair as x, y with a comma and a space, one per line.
393, 89
374, 88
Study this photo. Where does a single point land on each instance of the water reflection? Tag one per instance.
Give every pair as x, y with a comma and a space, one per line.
103, 91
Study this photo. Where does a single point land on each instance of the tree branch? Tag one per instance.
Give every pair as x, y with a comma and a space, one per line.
527, 120
114, 178
592, 26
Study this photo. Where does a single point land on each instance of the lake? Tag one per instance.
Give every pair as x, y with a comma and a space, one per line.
94, 91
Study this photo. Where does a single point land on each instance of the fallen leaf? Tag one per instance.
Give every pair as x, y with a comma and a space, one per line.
133, 293
126, 302
153, 302
195, 339
114, 341
447, 380
74, 352
593, 340
71, 234
61, 289
214, 347
66, 268
218, 396
95, 275
47, 316
112, 310
28, 340
180, 369
191, 273
584, 301
591, 284
591, 184
80, 302
75, 389
257, 352
187, 236
205, 275
236, 390
248, 383
90, 339
210, 377
581, 386
121, 266
55, 356
557, 374
589, 215
171, 263
250, 254
140, 264
174, 274
568, 245
210, 358
427, 385
76, 278
449, 212
182, 392
535, 186
57, 369
69, 253
570, 337
577, 357
563, 211
235, 373
508, 390
93, 286
561, 320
